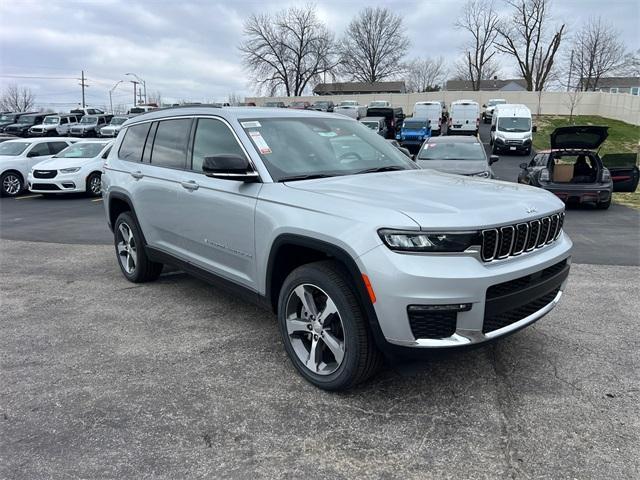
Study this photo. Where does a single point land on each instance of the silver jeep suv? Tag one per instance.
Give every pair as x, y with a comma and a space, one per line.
358, 251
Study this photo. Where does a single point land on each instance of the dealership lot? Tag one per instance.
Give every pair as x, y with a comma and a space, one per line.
176, 379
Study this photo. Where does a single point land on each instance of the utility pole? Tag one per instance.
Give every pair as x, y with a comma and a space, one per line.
83, 85
570, 71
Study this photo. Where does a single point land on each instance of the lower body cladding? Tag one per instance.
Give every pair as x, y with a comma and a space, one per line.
448, 300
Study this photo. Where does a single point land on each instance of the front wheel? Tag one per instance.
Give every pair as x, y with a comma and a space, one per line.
604, 205
324, 329
132, 258
11, 184
94, 184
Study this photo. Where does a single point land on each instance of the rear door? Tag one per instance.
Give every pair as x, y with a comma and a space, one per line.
216, 218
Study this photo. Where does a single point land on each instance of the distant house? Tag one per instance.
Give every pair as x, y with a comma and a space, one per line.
509, 85
618, 85
354, 88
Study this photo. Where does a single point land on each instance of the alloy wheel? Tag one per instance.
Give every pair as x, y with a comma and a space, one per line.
95, 184
315, 329
11, 184
127, 248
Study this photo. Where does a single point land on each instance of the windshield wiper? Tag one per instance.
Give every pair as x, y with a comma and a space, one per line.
388, 168
305, 177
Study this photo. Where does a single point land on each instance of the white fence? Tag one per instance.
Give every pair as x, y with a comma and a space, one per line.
619, 106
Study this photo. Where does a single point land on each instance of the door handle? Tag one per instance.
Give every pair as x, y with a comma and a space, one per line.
190, 185
137, 174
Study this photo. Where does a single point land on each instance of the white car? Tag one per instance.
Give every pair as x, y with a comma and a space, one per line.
17, 157
379, 103
54, 124
489, 107
464, 118
351, 108
75, 169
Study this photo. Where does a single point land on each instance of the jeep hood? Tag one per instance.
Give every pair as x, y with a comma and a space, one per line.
578, 137
438, 200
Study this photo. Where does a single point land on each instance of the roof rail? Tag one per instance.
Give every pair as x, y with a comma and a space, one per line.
190, 105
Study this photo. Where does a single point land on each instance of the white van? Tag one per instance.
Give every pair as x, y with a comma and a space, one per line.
464, 118
431, 111
511, 128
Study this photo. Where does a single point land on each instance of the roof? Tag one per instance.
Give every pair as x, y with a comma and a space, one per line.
40, 139
230, 113
488, 85
620, 82
454, 139
359, 87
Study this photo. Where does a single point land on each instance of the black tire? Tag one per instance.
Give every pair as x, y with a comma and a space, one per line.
527, 152
494, 149
143, 269
93, 185
361, 357
604, 205
11, 184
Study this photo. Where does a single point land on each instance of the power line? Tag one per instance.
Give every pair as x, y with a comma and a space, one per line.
36, 77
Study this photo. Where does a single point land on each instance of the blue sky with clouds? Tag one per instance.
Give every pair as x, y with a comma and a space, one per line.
187, 49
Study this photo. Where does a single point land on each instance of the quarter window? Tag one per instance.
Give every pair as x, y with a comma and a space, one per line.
39, 150
170, 144
212, 138
133, 143
55, 147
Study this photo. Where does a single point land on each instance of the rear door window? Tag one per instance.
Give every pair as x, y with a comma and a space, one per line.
39, 150
133, 143
170, 144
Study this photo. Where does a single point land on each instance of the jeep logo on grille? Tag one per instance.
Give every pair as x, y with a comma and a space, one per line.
532, 209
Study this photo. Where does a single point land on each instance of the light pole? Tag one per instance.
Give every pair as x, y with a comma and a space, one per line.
144, 84
110, 92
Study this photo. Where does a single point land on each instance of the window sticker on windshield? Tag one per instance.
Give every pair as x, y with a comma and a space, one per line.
260, 142
328, 134
254, 124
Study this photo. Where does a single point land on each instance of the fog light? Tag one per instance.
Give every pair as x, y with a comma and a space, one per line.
455, 307
69, 185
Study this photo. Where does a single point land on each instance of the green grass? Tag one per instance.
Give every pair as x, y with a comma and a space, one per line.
623, 138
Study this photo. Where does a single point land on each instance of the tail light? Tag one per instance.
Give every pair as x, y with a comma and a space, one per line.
544, 175
477, 122
449, 121
393, 122
606, 175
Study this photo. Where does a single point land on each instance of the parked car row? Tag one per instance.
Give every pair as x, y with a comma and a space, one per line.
52, 165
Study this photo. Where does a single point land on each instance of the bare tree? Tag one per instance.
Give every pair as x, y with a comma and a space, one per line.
630, 65
287, 50
373, 46
596, 51
234, 99
461, 69
424, 74
17, 99
525, 37
480, 19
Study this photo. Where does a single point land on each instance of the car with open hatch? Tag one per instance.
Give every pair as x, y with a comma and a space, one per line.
572, 169
460, 155
76, 169
358, 251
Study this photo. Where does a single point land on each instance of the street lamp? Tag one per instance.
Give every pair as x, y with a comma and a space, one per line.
111, 91
144, 85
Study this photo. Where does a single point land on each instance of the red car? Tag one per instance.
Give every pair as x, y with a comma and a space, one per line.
300, 105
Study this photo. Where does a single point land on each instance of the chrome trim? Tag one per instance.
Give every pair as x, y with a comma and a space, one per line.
467, 337
546, 236
535, 242
526, 237
495, 249
513, 236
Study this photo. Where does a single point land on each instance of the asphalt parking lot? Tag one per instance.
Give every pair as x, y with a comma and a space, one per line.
102, 378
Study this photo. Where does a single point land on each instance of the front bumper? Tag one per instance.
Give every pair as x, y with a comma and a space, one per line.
403, 280
61, 183
514, 146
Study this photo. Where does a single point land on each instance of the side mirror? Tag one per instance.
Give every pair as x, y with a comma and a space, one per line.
523, 166
493, 159
534, 129
229, 167
493, 128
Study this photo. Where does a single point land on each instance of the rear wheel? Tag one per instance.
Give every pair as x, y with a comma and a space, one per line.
11, 184
324, 329
132, 258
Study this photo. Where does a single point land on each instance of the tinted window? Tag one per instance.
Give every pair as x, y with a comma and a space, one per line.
170, 144
63, 120
133, 143
39, 150
452, 151
55, 147
212, 138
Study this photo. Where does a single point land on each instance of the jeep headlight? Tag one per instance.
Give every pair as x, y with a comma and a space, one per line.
428, 241
70, 170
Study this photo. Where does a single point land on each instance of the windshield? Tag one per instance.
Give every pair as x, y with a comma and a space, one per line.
348, 104
298, 104
118, 120
291, 147
414, 124
12, 148
51, 120
372, 125
452, 151
25, 120
378, 104
514, 124
89, 120
7, 118
493, 103
81, 150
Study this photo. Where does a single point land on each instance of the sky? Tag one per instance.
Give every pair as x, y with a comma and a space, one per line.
187, 50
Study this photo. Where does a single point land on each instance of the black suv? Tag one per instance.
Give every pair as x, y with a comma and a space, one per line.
24, 123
